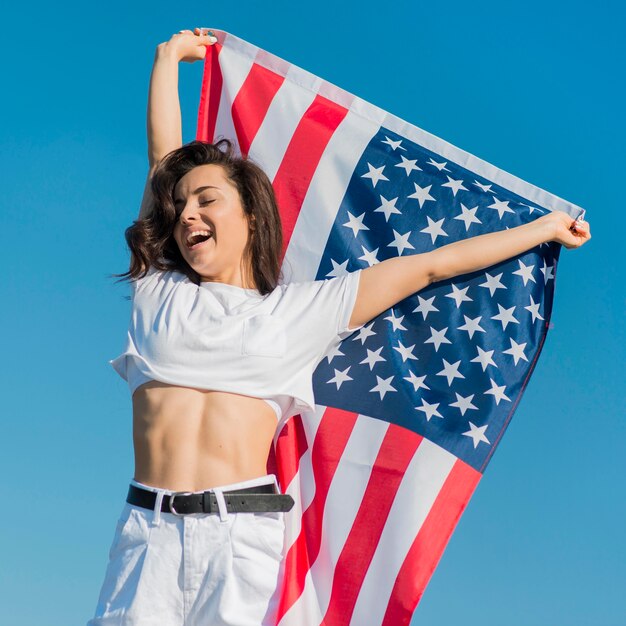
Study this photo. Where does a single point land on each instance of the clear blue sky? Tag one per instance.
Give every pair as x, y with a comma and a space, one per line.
534, 88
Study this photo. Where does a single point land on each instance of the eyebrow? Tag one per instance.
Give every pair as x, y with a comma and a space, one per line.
197, 191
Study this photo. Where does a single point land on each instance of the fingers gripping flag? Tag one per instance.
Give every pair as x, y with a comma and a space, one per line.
411, 407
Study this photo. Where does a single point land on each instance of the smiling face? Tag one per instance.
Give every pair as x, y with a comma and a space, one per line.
208, 204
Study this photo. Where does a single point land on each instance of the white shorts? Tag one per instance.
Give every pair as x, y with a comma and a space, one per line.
198, 569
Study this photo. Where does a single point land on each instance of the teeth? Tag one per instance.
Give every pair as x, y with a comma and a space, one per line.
197, 232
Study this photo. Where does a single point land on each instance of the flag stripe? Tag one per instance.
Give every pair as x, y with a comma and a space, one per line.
210, 95
385, 477
325, 193
302, 156
326, 452
428, 546
252, 103
427, 471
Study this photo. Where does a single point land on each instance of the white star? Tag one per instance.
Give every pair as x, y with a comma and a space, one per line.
484, 358
505, 316
493, 283
396, 322
425, 306
497, 392
429, 409
450, 371
477, 433
335, 351
533, 307
532, 208
484, 188
526, 272
459, 295
387, 207
383, 386
369, 256
416, 381
516, 350
406, 352
421, 194
463, 403
501, 206
455, 185
468, 216
408, 166
339, 269
393, 144
471, 325
355, 223
400, 241
434, 229
340, 377
375, 173
547, 272
439, 166
364, 333
373, 357
437, 337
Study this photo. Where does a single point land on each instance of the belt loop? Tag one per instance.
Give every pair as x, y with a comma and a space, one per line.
276, 484
156, 519
221, 504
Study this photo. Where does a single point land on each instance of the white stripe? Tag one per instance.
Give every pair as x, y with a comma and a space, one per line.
424, 477
272, 139
343, 500
326, 191
235, 68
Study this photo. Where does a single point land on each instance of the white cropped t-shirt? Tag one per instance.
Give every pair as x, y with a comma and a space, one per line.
221, 337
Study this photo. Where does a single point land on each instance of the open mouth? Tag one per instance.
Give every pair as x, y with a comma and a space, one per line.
198, 239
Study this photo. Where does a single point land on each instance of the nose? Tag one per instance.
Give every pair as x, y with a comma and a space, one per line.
187, 212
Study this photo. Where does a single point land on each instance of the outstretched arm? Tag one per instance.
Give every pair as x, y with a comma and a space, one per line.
384, 284
164, 124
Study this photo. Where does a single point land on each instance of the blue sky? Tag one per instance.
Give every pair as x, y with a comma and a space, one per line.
532, 88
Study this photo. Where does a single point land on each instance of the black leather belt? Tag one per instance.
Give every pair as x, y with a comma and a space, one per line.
260, 498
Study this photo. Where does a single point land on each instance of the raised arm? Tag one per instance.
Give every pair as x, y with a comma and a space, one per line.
164, 124
384, 284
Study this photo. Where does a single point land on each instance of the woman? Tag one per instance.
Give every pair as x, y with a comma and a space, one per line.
200, 538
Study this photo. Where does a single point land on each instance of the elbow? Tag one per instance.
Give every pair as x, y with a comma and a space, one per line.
434, 270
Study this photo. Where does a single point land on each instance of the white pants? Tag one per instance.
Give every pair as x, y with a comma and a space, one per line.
199, 569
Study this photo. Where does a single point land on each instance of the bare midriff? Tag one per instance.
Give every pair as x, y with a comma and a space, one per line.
192, 439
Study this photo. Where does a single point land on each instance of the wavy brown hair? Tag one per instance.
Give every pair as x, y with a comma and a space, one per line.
151, 240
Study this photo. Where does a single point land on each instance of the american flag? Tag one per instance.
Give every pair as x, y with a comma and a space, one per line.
410, 408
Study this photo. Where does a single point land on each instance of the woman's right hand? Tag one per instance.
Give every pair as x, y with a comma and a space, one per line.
189, 46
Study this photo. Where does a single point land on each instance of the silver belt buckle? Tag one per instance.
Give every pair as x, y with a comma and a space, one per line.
171, 501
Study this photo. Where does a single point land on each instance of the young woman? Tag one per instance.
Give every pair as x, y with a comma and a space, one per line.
217, 353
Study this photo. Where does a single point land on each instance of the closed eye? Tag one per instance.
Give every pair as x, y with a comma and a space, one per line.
179, 209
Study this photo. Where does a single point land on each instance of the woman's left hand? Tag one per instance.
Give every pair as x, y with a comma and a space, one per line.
566, 230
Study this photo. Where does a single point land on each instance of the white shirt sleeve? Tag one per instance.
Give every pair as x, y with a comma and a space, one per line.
324, 308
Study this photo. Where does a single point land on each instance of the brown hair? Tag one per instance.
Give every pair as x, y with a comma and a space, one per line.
151, 239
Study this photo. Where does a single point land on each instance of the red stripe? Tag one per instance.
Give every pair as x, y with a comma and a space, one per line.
395, 454
291, 444
210, 94
429, 544
330, 441
252, 102
302, 157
